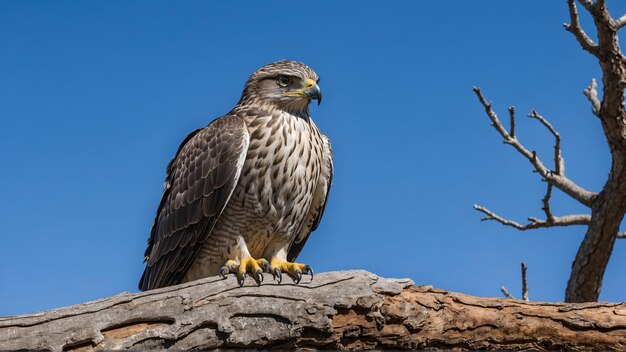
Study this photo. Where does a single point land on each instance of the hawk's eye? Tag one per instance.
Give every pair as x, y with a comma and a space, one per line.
283, 81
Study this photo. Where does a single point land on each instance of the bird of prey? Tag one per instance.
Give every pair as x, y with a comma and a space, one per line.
243, 194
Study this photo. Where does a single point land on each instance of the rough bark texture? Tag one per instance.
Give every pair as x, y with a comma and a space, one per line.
608, 208
338, 310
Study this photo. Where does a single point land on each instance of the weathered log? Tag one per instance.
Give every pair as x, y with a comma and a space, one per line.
338, 310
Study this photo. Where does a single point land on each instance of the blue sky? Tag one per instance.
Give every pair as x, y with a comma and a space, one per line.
96, 96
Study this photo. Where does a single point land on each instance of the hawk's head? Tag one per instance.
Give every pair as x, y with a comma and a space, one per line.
287, 85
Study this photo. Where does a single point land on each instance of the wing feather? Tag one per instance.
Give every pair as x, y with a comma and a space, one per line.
200, 180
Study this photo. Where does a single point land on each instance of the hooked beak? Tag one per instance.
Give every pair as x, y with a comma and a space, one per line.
312, 91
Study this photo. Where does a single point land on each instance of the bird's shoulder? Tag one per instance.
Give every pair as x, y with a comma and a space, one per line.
208, 139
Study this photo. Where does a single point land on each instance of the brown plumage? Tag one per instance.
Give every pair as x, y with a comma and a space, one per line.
247, 189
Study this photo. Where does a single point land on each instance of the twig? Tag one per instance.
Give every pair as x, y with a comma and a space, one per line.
567, 220
524, 283
506, 293
591, 92
493, 117
558, 159
512, 119
585, 41
560, 181
559, 163
546, 204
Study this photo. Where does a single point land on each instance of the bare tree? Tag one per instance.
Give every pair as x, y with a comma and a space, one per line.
608, 206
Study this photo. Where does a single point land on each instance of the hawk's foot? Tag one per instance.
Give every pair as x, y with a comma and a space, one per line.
294, 270
254, 267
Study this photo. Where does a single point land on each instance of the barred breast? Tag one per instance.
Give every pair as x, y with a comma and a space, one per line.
273, 196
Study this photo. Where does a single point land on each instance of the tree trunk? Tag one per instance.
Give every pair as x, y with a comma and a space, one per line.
338, 310
608, 208
607, 212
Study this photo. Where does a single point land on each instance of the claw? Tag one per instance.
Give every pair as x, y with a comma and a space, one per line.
247, 266
223, 272
308, 270
298, 277
277, 274
267, 267
241, 278
294, 270
258, 277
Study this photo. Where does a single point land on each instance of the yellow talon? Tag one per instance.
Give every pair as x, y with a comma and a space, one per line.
249, 263
295, 270
254, 267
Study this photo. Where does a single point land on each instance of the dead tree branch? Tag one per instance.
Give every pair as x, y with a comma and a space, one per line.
535, 223
574, 27
339, 310
591, 92
524, 283
559, 163
546, 204
554, 178
506, 293
512, 121
560, 181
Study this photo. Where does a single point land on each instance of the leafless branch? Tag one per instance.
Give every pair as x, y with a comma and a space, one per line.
601, 14
574, 27
535, 223
506, 293
535, 115
546, 204
560, 181
512, 119
591, 92
524, 283
493, 117
557, 221
620, 22
559, 164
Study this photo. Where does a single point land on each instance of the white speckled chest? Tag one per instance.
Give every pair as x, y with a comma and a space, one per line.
278, 179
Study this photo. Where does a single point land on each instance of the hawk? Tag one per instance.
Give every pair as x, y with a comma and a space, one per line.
243, 194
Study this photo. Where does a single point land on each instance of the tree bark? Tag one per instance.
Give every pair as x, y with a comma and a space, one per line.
609, 207
338, 310
594, 252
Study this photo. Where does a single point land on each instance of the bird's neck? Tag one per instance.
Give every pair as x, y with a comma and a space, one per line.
259, 108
